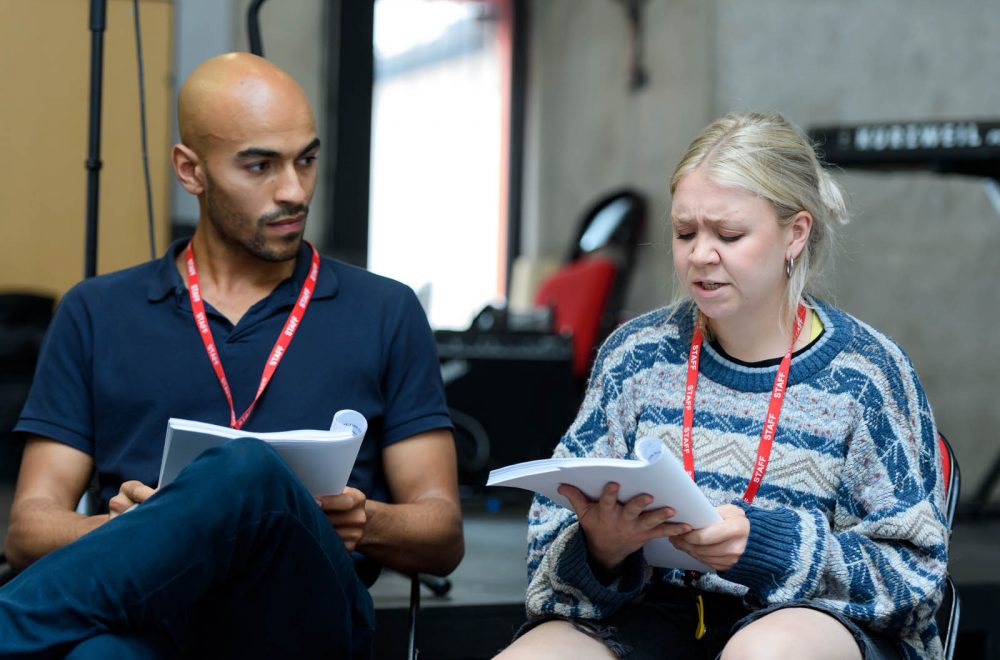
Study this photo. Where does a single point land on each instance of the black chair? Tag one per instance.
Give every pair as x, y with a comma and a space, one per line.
612, 227
950, 609
24, 317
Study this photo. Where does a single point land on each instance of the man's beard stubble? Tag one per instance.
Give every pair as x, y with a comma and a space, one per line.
228, 222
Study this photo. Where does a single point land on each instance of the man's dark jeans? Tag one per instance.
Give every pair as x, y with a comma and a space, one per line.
232, 559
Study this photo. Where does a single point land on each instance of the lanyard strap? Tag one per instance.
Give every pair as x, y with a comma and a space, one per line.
773, 407
280, 346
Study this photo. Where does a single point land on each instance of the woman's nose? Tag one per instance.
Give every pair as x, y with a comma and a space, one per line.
703, 251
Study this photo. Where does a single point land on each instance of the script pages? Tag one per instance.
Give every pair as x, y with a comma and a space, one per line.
655, 471
321, 459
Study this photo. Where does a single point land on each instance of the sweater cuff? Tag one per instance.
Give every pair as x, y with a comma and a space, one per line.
772, 548
574, 569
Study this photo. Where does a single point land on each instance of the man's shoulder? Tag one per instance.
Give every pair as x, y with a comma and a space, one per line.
120, 285
356, 281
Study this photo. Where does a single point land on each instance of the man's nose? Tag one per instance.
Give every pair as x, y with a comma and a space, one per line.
291, 189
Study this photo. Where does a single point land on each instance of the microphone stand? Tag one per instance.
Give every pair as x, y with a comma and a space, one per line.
97, 25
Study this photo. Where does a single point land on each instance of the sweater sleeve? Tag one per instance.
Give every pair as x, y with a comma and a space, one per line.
881, 557
560, 580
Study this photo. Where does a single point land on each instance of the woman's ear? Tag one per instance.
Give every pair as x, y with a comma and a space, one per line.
800, 227
188, 169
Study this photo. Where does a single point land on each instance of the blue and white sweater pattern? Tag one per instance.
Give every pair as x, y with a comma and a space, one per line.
850, 513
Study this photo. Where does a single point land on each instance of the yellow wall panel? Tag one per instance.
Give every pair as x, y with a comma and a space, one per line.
44, 109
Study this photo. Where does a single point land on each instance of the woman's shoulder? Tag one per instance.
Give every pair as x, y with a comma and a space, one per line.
664, 323
651, 337
861, 341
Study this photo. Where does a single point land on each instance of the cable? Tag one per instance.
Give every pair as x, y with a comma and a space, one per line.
142, 129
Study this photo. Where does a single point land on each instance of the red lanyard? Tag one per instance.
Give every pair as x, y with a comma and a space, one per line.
773, 408
280, 346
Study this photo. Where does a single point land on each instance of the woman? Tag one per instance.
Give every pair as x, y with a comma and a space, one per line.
807, 428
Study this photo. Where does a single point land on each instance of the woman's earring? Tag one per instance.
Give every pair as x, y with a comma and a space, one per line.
789, 265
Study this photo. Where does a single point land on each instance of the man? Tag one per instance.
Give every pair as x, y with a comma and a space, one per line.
234, 556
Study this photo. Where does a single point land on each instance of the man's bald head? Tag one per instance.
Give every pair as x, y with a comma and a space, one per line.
232, 94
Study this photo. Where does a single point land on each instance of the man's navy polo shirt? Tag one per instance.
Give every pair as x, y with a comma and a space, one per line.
123, 355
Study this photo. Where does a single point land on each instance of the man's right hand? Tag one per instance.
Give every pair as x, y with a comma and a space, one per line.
130, 494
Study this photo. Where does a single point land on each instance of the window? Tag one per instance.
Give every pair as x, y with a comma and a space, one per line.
438, 180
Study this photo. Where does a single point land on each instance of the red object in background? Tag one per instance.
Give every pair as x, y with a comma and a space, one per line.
578, 295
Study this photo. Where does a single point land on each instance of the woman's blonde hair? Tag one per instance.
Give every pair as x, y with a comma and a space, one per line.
767, 155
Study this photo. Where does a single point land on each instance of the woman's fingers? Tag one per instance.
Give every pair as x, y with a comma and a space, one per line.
635, 506
720, 545
576, 498
609, 496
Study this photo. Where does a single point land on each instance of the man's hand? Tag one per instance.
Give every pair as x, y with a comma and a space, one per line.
720, 545
614, 531
346, 512
129, 494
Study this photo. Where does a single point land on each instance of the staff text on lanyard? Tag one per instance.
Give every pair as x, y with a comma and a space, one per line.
773, 407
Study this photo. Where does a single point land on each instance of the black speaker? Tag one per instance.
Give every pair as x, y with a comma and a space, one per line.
512, 395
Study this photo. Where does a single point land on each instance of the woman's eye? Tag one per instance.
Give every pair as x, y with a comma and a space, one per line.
730, 239
684, 235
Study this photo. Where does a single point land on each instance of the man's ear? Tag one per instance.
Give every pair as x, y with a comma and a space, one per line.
800, 227
188, 168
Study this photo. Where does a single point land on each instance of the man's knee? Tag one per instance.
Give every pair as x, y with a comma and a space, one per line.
247, 463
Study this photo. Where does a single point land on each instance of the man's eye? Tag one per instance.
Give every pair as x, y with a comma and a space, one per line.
257, 167
307, 160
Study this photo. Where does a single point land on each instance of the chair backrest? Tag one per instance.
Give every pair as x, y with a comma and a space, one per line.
952, 479
614, 222
612, 228
950, 609
578, 295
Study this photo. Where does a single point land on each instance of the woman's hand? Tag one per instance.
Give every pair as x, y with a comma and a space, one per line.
346, 512
129, 494
614, 531
720, 545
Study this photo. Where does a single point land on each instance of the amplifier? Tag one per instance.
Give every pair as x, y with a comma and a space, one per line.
519, 390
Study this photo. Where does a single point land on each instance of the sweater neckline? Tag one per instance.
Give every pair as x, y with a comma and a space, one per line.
722, 369
770, 362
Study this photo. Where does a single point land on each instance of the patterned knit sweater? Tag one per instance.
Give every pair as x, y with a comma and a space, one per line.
849, 516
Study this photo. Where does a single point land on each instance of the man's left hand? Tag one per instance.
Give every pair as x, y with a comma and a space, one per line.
346, 512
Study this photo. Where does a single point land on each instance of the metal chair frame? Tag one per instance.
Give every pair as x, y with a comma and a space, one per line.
950, 610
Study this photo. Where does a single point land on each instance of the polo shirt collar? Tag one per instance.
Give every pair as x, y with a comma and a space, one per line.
165, 279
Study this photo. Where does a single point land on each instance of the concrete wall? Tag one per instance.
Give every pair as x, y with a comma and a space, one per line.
586, 132
923, 254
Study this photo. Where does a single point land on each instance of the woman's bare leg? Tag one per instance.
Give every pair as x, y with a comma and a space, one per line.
795, 633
